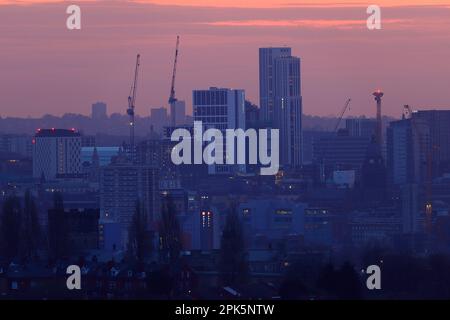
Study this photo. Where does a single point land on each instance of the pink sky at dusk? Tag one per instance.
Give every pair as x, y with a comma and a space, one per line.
45, 68
258, 3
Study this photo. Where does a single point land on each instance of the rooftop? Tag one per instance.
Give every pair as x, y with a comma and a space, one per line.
57, 133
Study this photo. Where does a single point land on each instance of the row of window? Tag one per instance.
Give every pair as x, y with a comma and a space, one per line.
210, 97
210, 111
212, 119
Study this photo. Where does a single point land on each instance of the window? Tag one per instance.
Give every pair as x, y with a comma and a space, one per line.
283, 211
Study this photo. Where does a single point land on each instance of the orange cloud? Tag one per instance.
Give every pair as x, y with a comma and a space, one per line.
309, 23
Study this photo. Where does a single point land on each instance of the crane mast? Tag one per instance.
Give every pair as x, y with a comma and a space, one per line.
131, 103
341, 115
172, 98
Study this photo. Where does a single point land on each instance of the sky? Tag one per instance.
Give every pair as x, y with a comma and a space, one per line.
47, 69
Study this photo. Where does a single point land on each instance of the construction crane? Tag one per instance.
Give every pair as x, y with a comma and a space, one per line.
172, 98
131, 102
325, 151
429, 169
341, 115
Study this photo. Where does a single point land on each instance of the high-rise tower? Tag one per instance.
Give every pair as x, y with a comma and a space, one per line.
281, 100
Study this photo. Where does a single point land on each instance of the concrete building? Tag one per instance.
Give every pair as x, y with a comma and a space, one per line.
56, 152
439, 138
98, 111
17, 144
310, 137
122, 185
406, 153
222, 109
159, 119
379, 225
410, 208
271, 222
281, 100
340, 152
361, 127
178, 113
318, 226
105, 154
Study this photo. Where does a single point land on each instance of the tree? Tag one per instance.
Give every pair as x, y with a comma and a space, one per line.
30, 227
233, 260
348, 283
137, 234
170, 233
10, 227
58, 238
343, 283
327, 280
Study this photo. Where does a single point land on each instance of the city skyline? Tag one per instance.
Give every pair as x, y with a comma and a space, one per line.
219, 47
212, 150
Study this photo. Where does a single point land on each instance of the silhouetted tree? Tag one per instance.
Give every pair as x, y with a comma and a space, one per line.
137, 234
327, 280
30, 227
10, 224
343, 283
170, 245
58, 239
161, 282
373, 253
348, 284
292, 286
233, 259
402, 276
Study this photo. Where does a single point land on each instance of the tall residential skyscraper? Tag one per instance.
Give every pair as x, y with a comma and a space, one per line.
56, 152
222, 109
98, 111
281, 100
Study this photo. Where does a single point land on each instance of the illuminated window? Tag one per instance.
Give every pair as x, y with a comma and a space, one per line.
283, 211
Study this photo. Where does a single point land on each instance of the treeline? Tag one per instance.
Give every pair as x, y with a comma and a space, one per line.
22, 236
403, 277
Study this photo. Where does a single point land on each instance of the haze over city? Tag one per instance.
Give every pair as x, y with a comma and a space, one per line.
240, 156
49, 69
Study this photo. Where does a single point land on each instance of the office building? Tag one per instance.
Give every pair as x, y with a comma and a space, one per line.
281, 100
310, 137
222, 109
318, 226
17, 144
98, 111
56, 152
361, 127
374, 225
340, 152
159, 119
407, 149
270, 222
438, 122
105, 154
178, 113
